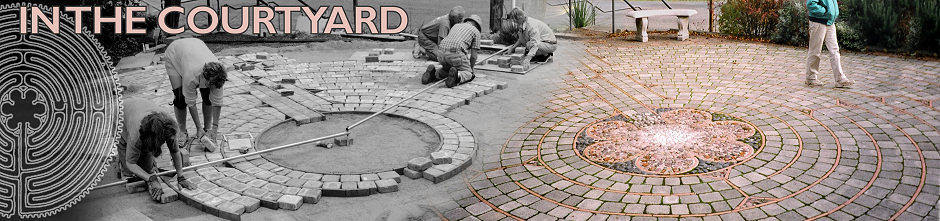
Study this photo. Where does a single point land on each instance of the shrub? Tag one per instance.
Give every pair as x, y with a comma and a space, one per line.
582, 14
926, 26
892, 25
877, 21
792, 26
849, 37
896, 25
750, 18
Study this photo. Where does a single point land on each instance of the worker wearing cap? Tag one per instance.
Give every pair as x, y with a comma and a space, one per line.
457, 68
431, 34
193, 71
534, 35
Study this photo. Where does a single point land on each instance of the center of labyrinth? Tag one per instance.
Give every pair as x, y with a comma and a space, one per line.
669, 142
381, 144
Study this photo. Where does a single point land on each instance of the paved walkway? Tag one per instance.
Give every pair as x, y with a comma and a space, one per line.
632, 132
700, 129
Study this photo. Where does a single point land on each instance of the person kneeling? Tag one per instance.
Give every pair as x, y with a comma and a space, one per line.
146, 130
457, 69
538, 39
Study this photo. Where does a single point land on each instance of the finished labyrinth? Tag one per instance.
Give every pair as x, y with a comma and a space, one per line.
717, 131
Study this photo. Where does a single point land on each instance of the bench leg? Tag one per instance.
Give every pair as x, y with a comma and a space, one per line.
641, 35
683, 28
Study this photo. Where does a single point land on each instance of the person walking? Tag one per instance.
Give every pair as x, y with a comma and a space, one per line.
822, 30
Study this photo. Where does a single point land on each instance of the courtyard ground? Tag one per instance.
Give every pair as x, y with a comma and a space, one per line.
545, 145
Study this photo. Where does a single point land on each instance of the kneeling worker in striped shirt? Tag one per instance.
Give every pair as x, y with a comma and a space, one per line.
463, 39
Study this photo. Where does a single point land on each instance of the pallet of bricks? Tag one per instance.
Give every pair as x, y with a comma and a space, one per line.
510, 61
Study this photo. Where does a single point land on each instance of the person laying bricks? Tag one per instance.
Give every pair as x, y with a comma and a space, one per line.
538, 39
431, 34
508, 34
146, 129
457, 68
193, 68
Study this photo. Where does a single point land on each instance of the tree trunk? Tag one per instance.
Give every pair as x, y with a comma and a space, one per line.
496, 15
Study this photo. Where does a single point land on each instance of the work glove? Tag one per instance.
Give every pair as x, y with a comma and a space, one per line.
155, 189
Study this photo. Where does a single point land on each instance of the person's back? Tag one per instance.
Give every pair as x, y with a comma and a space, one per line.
462, 37
542, 30
433, 29
187, 57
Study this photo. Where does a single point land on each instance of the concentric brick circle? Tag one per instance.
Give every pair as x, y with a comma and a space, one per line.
842, 154
265, 90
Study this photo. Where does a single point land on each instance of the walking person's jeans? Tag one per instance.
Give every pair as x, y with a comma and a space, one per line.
818, 35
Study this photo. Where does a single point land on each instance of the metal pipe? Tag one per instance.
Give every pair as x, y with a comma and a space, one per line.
613, 18
230, 158
435, 84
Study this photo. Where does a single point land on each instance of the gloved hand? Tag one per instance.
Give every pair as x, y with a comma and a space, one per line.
155, 189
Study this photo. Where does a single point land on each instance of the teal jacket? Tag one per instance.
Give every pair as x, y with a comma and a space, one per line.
823, 11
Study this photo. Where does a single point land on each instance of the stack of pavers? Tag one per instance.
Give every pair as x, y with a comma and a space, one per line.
440, 166
513, 61
375, 54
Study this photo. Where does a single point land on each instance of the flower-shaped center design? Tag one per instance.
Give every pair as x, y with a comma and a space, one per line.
672, 146
23, 108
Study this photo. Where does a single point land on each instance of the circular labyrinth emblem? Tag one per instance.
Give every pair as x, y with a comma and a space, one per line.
669, 142
58, 116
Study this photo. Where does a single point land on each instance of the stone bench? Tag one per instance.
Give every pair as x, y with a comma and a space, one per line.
642, 22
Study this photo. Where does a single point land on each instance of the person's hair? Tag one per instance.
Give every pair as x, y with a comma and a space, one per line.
156, 129
517, 15
509, 26
456, 15
215, 74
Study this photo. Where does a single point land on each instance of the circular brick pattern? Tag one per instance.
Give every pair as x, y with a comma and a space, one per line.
265, 90
818, 153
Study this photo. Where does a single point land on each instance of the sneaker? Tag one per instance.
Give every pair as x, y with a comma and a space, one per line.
452, 79
813, 83
428, 75
844, 84
208, 144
